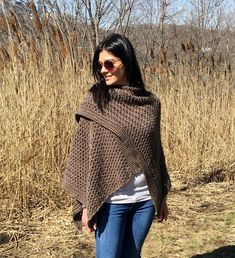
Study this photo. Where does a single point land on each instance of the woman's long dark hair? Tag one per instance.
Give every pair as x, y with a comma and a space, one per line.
121, 47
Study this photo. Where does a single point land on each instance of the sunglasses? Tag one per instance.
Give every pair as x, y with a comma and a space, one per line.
108, 65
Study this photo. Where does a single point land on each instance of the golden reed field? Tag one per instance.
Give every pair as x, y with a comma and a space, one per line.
41, 85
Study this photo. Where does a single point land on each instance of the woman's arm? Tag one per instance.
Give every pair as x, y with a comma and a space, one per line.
163, 211
85, 221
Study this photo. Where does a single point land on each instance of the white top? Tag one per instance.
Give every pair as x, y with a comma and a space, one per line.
136, 190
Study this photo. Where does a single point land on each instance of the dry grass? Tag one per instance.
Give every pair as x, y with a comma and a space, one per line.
199, 223
37, 122
198, 124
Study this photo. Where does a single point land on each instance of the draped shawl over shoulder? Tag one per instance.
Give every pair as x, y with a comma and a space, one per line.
111, 146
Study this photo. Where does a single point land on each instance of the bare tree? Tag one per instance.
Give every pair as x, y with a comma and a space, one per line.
106, 15
208, 22
157, 30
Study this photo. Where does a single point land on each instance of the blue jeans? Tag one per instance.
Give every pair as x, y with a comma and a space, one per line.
122, 229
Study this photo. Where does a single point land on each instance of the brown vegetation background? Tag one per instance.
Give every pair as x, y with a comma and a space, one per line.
44, 74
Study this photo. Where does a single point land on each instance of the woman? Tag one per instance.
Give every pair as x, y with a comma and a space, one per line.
116, 169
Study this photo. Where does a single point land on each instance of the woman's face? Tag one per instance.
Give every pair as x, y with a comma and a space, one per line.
112, 69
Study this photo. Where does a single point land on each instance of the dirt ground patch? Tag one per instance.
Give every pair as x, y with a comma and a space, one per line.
201, 224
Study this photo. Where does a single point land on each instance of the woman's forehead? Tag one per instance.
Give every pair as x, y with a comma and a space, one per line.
104, 54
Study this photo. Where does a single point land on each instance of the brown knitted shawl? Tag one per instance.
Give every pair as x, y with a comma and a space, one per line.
111, 146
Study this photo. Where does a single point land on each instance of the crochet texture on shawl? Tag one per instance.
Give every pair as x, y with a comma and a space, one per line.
111, 146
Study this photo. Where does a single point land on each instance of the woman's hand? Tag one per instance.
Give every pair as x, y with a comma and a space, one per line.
163, 211
85, 220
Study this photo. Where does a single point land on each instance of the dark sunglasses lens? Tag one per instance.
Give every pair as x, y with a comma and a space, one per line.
108, 65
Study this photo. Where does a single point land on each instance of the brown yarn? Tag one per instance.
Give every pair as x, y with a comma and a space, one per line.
110, 147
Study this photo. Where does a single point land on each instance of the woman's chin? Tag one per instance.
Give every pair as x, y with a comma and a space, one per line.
108, 83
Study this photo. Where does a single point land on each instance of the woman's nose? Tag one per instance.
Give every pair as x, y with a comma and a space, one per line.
103, 69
